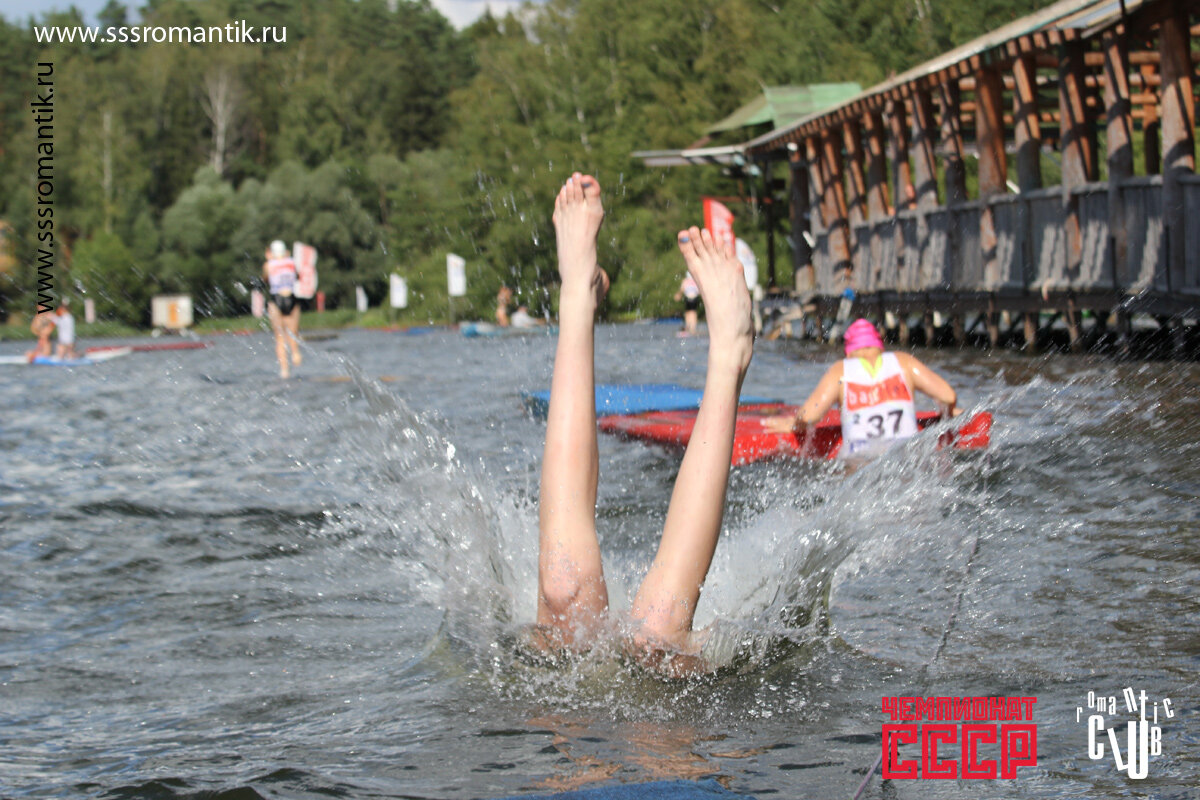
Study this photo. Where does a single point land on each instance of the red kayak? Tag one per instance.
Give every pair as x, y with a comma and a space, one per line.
753, 442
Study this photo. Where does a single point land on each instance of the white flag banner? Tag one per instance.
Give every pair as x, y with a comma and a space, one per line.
456, 275
398, 291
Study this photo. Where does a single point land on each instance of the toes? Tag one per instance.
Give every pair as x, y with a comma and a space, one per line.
575, 187
589, 186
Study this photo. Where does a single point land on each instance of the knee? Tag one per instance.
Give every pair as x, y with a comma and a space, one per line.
559, 595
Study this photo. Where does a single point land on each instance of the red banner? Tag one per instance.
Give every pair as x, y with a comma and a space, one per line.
305, 257
719, 221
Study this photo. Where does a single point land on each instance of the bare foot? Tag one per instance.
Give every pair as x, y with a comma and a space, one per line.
727, 306
578, 214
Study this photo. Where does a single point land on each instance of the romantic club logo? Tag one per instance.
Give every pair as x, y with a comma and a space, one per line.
972, 738
1143, 735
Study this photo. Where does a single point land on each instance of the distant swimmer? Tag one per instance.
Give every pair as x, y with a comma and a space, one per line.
689, 293
64, 324
503, 298
42, 327
572, 603
281, 276
875, 390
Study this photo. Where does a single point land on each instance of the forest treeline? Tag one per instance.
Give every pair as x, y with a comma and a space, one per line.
387, 139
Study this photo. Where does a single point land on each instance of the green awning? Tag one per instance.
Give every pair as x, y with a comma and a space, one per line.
779, 105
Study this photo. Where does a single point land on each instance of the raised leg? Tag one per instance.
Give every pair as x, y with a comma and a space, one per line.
572, 595
666, 601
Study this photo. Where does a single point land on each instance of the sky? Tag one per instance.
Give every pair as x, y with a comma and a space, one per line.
460, 12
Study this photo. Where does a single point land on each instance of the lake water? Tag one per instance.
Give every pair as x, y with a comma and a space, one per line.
214, 581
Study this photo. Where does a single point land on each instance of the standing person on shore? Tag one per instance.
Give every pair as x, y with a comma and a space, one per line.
572, 594
42, 327
875, 391
503, 298
283, 309
689, 293
64, 324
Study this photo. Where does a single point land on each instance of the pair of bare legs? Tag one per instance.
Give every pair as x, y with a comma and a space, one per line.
572, 595
287, 337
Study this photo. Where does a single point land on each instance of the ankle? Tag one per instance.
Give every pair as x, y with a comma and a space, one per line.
733, 358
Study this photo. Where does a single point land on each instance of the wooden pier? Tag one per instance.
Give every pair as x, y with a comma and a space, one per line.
879, 199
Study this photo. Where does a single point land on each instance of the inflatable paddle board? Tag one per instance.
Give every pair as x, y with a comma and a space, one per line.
476, 330
633, 398
88, 360
753, 442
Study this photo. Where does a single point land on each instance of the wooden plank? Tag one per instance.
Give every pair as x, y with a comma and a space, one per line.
952, 145
1027, 126
922, 149
1119, 137
1178, 132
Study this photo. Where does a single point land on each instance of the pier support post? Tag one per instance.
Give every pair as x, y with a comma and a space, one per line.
1118, 110
800, 213
1124, 333
993, 170
856, 204
1151, 127
953, 166
1078, 143
1027, 128
903, 333
993, 326
958, 325
1073, 325
1178, 132
1031, 331
930, 332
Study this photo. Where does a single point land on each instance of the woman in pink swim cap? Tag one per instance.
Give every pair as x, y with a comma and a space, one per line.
875, 391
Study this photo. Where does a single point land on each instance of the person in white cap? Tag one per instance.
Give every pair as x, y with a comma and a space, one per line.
64, 324
281, 276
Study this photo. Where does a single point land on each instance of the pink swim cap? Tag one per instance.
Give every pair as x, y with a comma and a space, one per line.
861, 334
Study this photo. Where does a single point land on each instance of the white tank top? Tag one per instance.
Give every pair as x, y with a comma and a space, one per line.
691, 290
877, 408
281, 275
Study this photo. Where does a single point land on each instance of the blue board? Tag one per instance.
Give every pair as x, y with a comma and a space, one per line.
43, 361
477, 330
658, 790
634, 398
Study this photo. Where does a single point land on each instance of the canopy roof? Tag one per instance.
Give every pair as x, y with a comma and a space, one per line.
1064, 21
781, 105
